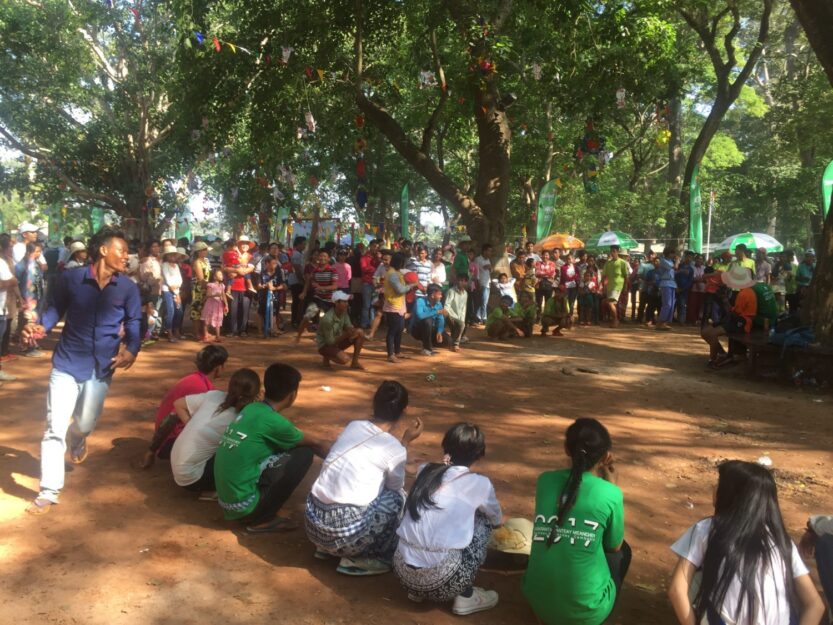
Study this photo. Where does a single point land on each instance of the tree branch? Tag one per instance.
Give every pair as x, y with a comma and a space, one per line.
428, 132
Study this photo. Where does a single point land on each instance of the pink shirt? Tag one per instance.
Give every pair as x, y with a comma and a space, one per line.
344, 272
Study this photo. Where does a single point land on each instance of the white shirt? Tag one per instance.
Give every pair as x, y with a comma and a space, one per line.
363, 461
200, 437
449, 525
5, 274
171, 277
506, 289
19, 251
484, 271
438, 273
773, 604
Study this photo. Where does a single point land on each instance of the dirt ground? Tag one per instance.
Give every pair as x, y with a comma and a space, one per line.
127, 547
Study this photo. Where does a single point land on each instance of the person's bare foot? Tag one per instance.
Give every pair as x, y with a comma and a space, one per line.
455, 348
357, 365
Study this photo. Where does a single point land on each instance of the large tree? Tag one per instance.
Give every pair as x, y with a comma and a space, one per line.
87, 91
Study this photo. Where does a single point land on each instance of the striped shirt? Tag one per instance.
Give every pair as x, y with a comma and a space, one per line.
323, 277
423, 271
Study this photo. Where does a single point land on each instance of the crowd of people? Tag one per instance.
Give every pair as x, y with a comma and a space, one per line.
238, 449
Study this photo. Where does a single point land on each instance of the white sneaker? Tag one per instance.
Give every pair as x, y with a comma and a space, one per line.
362, 566
427, 352
480, 600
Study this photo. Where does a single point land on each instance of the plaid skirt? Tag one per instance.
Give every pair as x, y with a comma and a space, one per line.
356, 531
453, 575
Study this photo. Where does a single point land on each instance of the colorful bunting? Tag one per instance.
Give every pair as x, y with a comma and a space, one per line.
199, 37
320, 74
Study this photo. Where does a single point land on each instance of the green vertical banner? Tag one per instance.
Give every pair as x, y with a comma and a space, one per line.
404, 209
826, 189
546, 207
96, 219
695, 214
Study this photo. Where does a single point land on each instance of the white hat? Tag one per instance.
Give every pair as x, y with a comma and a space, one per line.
341, 296
26, 227
737, 277
77, 246
243, 239
170, 249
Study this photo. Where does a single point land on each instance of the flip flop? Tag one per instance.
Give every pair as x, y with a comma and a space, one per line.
279, 524
40, 506
77, 457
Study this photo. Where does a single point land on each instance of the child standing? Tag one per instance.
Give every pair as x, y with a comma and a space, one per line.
449, 515
216, 304
588, 294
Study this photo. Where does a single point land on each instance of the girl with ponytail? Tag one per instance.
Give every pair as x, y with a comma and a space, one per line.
448, 519
355, 504
579, 557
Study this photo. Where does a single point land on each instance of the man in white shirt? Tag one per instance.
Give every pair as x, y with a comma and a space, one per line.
28, 234
8, 282
484, 281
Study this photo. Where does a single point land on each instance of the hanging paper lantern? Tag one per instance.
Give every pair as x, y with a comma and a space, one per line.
217, 45
360, 145
199, 37
361, 200
149, 191
427, 79
620, 97
308, 71
310, 120
286, 52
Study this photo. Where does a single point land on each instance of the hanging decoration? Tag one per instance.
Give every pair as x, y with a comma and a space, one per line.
310, 121
427, 79
589, 156
620, 97
286, 52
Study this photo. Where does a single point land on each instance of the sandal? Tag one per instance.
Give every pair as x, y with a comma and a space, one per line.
40, 505
278, 524
77, 456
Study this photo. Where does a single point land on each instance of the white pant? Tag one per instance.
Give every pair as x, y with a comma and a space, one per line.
67, 402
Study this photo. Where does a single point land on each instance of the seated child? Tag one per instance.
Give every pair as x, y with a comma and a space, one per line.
523, 314
499, 324
579, 557
449, 516
556, 313
355, 504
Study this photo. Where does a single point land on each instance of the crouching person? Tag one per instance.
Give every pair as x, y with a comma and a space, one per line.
263, 457
445, 531
355, 504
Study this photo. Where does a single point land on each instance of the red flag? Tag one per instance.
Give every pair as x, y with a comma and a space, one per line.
217, 46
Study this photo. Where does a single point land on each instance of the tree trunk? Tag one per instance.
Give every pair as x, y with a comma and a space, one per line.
816, 16
676, 159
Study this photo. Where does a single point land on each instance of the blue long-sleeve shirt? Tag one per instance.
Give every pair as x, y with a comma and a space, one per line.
94, 319
423, 309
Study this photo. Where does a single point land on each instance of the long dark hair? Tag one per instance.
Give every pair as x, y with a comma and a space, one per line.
587, 442
243, 389
747, 528
464, 444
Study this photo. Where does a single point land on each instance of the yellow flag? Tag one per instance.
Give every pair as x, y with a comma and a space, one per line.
232, 46
320, 74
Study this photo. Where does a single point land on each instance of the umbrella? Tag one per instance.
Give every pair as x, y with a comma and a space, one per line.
604, 240
752, 240
559, 241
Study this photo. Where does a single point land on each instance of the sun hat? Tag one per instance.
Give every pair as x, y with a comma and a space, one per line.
77, 246
448, 256
199, 246
182, 252
341, 296
26, 227
170, 249
244, 239
515, 536
737, 277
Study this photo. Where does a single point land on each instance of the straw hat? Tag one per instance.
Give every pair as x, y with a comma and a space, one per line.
199, 246
77, 246
171, 250
737, 277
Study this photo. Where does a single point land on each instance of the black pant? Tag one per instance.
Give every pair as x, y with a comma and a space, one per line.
297, 311
395, 323
824, 562
206, 482
425, 331
239, 312
277, 483
6, 339
618, 563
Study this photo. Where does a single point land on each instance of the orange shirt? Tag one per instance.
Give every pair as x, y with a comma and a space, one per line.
746, 305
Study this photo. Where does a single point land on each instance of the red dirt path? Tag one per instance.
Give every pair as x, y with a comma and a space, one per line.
129, 547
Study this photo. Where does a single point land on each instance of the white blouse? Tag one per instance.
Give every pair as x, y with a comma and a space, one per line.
171, 277
450, 524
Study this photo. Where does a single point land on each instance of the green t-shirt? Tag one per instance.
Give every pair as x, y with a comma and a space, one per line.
556, 308
461, 264
331, 327
767, 306
527, 314
569, 583
257, 433
496, 315
616, 272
